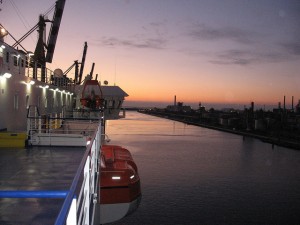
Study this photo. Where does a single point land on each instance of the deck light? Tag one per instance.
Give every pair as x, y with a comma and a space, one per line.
116, 178
7, 75
131, 177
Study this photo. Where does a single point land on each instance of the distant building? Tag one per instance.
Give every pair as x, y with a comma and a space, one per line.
179, 108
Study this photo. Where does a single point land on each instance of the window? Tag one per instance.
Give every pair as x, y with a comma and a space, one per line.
16, 61
7, 57
39, 102
46, 103
16, 102
27, 101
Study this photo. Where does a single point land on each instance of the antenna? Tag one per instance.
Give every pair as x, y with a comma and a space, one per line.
115, 71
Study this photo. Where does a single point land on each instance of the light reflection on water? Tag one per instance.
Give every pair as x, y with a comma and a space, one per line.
193, 175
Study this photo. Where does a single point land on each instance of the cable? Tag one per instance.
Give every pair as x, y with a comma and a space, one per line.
22, 18
49, 10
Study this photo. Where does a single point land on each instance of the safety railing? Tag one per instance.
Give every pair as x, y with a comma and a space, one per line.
81, 209
80, 201
58, 125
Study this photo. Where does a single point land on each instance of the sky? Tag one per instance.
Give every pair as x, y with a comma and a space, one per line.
209, 51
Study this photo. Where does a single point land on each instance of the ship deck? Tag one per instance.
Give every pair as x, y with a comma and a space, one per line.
38, 169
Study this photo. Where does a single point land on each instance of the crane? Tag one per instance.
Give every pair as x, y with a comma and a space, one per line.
39, 58
59, 8
78, 76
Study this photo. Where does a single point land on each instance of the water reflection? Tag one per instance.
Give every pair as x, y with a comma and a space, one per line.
193, 175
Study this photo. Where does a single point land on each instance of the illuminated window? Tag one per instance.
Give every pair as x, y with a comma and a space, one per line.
46, 103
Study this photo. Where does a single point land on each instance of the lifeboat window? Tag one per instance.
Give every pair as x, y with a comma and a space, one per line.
27, 101
16, 102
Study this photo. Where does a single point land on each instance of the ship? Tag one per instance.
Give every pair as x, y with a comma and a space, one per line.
41, 107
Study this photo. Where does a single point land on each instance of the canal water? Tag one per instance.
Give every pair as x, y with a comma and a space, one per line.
194, 175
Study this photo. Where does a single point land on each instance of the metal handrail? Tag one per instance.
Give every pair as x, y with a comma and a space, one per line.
63, 214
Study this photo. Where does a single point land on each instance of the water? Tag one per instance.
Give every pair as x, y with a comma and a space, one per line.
194, 175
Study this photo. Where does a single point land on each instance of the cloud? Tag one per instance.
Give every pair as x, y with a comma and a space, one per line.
292, 48
250, 47
148, 43
151, 36
205, 33
247, 57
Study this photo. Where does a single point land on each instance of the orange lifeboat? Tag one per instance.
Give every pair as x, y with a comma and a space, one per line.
120, 190
91, 95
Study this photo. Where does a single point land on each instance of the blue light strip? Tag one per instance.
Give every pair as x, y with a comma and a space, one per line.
33, 194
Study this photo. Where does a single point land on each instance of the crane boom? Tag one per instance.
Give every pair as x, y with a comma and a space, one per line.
92, 71
59, 8
82, 63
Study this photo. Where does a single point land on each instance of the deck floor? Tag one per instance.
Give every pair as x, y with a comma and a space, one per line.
36, 168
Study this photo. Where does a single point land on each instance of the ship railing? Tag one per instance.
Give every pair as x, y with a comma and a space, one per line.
79, 206
41, 73
60, 125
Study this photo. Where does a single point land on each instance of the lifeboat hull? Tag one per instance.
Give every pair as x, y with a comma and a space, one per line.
120, 189
114, 212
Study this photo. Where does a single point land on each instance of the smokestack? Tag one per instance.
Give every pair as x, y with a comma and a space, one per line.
175, 100
292, 103
284, 103
252, 106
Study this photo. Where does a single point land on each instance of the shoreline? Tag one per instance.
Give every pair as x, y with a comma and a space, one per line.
283, 142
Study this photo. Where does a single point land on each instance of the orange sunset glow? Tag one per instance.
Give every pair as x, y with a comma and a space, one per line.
209, 51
